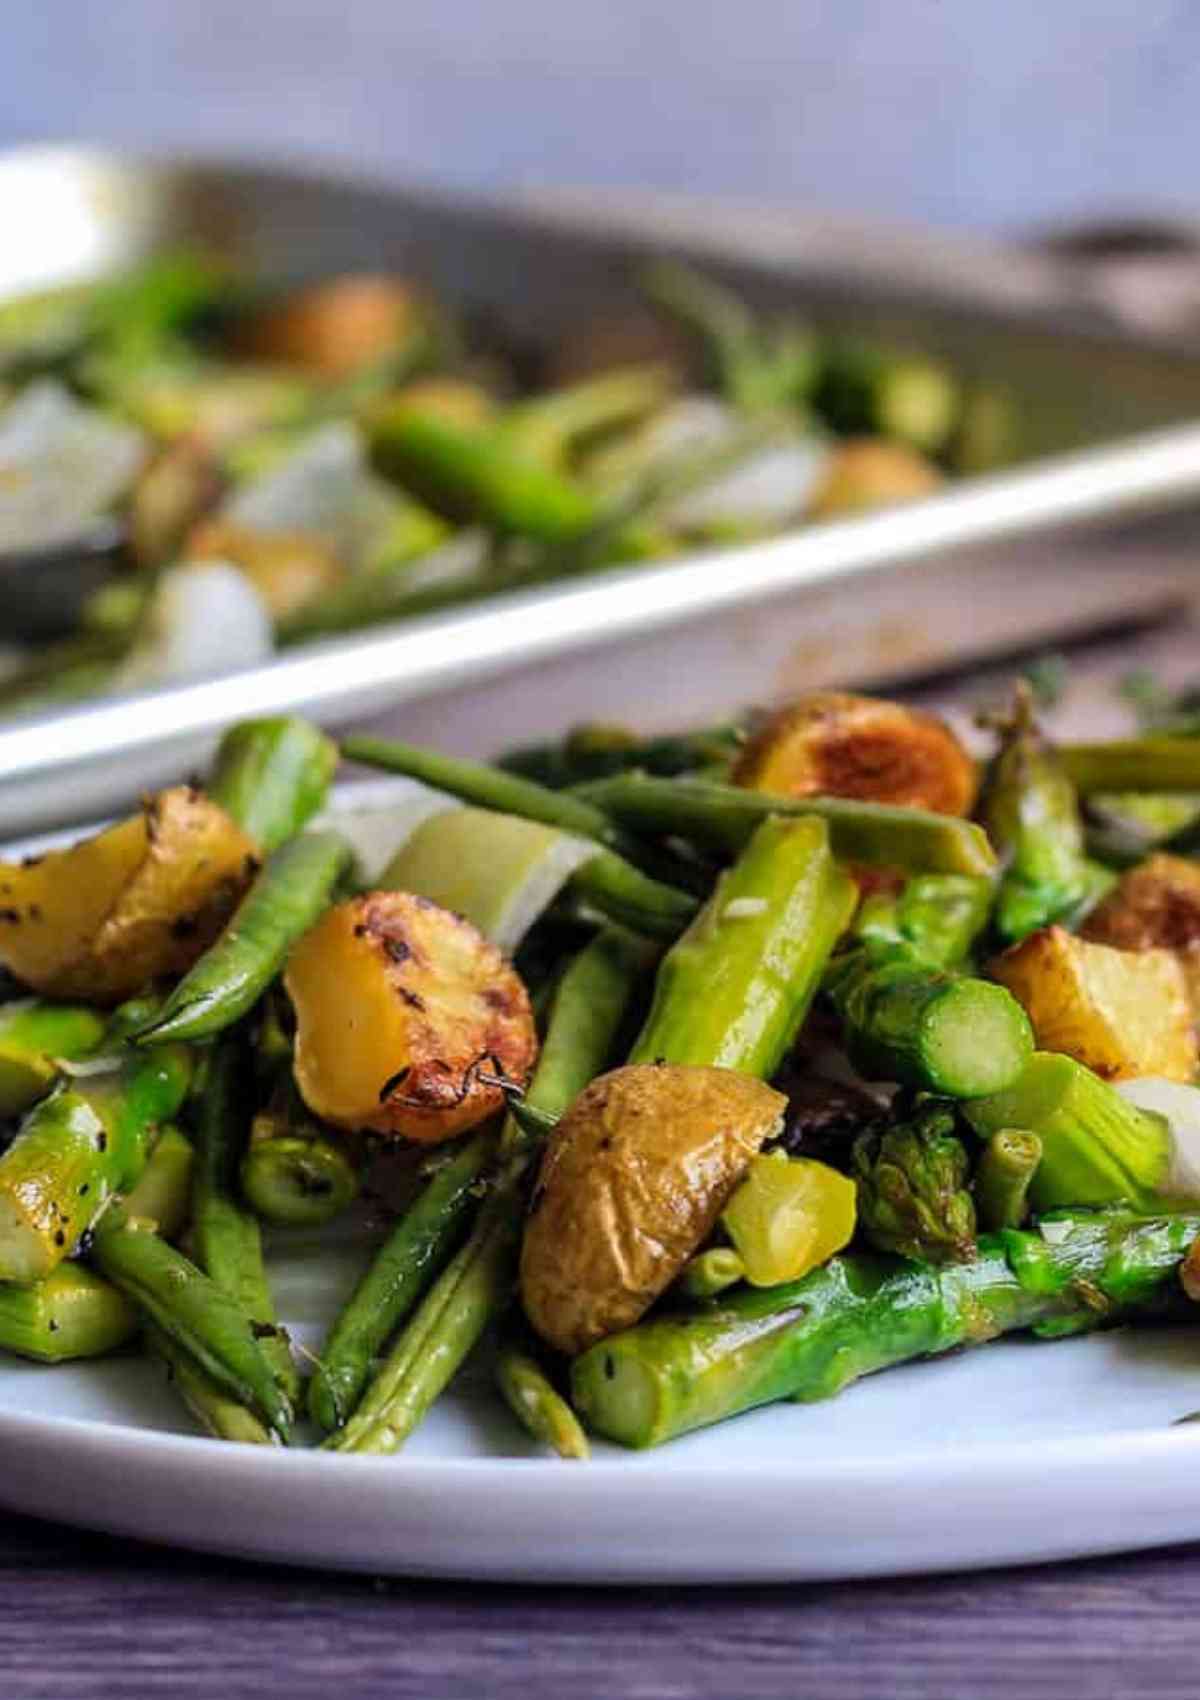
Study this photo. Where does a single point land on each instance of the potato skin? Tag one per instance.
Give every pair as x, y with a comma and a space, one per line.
1155, 906
633, 1180
334, 328
137, 902
1120, 1013
837, 744
398, 1004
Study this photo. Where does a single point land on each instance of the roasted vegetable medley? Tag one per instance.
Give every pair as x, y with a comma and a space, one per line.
677, 1077
232, 469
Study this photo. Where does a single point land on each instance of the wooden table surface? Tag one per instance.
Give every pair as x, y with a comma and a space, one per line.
83, 1617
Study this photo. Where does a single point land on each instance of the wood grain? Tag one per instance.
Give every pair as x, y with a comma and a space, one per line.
82, 1616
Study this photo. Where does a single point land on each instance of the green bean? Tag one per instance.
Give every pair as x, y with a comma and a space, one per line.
273, 776
214, 1408
287, 896
1135, 764
226, 1237
195, 1312
398, 1275
723, 817
542, 1411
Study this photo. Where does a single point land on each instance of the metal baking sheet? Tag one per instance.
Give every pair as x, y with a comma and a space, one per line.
1106, 433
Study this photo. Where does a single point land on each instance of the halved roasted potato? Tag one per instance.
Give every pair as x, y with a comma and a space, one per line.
632, 1182
141, 900
1121, 1013
872, 472
337, 327
1155, 906
287, 568
405, 1017
835, 744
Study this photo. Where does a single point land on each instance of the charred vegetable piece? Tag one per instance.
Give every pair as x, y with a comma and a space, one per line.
77, 1148
404, 1014
912, 1189
734, 990
633, 1180
867, 473
335, 329
1097, 1148
1120, 1013
723, 817
788, 1215
272, 776
289, 893
477, 1285
72, 1313
832, 744
927, 1027
1155, 906
33, 1036
139, 901
860, 1313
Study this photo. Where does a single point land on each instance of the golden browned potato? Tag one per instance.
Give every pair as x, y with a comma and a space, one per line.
1121, 1013
872, 472
1155, 906
632, 1182
141, 900
287, 568
400, 1006
335, 328
180, 484
834, 744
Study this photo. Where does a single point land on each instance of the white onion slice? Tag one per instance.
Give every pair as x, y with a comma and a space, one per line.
1179, 1106
205, 619
325, 487
62, 465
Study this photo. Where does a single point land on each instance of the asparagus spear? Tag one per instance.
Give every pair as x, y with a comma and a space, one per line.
272, 776
88, 1140
226, 1236
734, 990
1134, 764
860, 1313
710, 1272
926, 1027
1032, 814
477, 1284
1003, 1175
722, 817
912, 1189
225, 1417
540, 1409
73, 1313
938, 916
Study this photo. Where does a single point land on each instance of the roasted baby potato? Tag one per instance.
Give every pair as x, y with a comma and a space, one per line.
335, 328
872, 472
835, 744
1155, 906
400, 1008
633, 1180
142, 900
1120, 1013
287, 568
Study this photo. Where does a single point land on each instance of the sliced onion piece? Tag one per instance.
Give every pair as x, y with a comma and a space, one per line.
1179, 1106
205, 618
62, 465
500, 871
381, 819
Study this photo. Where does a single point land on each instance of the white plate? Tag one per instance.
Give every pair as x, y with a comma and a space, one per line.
1016, 1451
